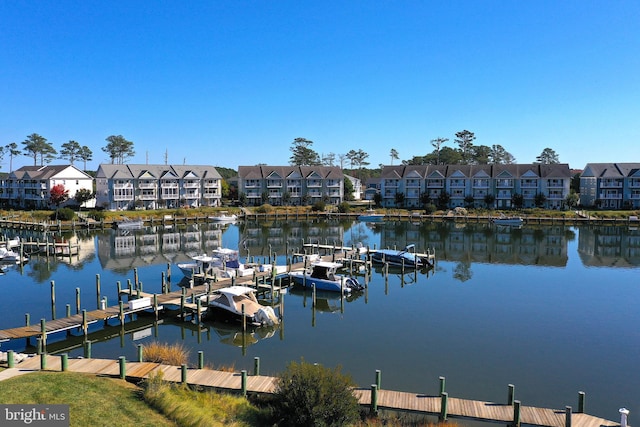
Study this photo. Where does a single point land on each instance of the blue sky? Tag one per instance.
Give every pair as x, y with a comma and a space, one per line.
232, 83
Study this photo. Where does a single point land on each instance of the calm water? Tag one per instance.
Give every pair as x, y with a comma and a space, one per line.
552, 310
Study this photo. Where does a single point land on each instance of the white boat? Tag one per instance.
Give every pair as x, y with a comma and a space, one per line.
234, 302
370, 215
402, 258
7, 256
224, 217
514, 221
129, 224
200, 264
322, 275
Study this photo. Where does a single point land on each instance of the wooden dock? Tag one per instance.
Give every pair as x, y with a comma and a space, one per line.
441, 406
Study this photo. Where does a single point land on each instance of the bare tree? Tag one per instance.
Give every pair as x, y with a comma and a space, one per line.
437, 143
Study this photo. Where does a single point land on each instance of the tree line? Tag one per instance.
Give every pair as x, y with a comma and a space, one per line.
43, 152
466, 152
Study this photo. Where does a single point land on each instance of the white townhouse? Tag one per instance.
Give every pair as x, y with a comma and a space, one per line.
473, 185
30, 186
610, 185
290, 185
125, 187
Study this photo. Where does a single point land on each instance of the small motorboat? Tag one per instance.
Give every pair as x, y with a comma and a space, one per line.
402, 258
234, 302
513, 221
370, 215
224, 217
322, 275
200, 264
8, 256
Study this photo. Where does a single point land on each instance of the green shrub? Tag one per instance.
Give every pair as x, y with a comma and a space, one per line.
344, 207
312, 395
430, 208
97, 215
63, 214
318, 206
264, 209
180, 212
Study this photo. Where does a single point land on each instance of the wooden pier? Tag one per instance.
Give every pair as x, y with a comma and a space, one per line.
376, 399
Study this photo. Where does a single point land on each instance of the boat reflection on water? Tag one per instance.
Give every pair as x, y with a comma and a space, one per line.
232, 333
326, 301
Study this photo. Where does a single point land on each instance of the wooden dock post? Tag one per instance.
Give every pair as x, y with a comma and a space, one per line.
135, 277
140, 352
256, 366
87, 349
581, 401
442, 384
200, 359
10, 359
97, 291
244, 382
516, 413
511, 395
85, 326
77, 300
123, 367
244, 320
567, 416
183, 373
64, 362
444, 398
378, 378
119, 289
53, 300
121, 312
183, 297
43, 361
43, 335
374, 398
168, 277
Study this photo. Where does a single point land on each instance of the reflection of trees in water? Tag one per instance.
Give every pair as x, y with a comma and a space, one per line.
462, 271
41, 269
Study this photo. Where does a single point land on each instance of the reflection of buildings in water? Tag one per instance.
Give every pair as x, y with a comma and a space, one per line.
481, 242
86, 251
119, 250
280, 236
609, 246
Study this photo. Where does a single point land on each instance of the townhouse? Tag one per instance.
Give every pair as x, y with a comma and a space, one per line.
610, 185
473, 185
124, 187
30, 186
290, 185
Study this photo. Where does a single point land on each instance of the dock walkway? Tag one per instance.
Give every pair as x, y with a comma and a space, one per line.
385, 399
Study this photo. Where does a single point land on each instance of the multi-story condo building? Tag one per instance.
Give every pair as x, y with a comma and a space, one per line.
475, 185
30, 186
610, 185
290, 185
123, 187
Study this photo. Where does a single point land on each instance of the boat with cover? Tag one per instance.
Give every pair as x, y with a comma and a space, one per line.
200, 264
323, 276
404, 257
370, 215
224, 216
234, 302
8, 256
514, 221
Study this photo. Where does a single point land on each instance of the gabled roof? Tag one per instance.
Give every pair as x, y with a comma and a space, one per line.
47, 172
610, 170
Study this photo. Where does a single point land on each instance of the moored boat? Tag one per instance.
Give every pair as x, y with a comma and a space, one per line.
404, 258
370, 215
200, 264
514, 221
235, 302
323, 276
223, 217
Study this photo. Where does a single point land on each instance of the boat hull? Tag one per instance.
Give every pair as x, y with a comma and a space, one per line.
306, 281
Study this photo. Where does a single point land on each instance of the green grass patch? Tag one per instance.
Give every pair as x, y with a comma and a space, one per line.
93, 401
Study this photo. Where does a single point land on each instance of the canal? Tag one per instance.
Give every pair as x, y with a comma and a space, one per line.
552, 310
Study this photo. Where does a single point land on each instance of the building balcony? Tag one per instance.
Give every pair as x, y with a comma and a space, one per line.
169, 185
435, 184
121, 198
610, 184
251, 185
170, 197
333, 184
610, 196
122, 186
274, 185
150, 196
457, 185
529, 185
555, 184
192, 196
145, 185
314, 184
191, 185
635, 196
555, 196
503, 195
210, 184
